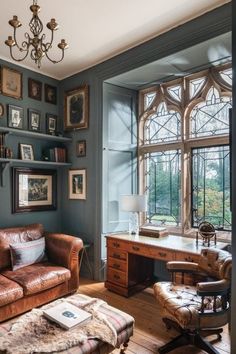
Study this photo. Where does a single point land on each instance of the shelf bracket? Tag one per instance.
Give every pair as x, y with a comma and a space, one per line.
3, 165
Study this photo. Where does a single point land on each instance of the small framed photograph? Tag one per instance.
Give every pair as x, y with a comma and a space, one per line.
11, 82
76, 108
77, 184
15, 117
50, 94
34, 190
51, 124
34, 119
1, 110
35, 89
81, 148
26, 152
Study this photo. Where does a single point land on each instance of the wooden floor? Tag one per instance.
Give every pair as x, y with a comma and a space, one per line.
150, 332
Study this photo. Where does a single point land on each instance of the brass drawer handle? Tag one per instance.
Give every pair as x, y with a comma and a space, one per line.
135, 248
162, 254
188, 259
116, 244
115, 276
116, 266
116, 255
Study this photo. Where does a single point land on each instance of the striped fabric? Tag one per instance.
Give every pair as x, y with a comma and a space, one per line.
26, 253
122, 322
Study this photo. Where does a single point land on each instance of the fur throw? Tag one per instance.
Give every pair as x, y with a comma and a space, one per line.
33, 333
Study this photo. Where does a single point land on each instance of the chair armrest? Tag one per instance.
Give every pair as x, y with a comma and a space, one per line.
183, 267
213, 288
63, 249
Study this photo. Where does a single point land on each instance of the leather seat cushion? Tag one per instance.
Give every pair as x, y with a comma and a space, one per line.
9, 291
38, 277
182, 303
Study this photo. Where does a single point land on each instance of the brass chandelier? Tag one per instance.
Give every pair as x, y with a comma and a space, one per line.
35, 45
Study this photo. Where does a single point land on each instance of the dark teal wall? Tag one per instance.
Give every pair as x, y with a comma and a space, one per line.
51, 219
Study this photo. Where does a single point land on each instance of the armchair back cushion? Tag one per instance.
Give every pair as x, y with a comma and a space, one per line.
16, 235
216, 263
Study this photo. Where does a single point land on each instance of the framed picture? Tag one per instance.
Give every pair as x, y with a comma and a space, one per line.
26, 152
34, 119
50, 94
15, 116
81, 148
11, 82
35, 89
76, 108
1, 110
33, 190
77, 184
51, 124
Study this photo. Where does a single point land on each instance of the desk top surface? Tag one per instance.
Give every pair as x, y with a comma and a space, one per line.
172, 242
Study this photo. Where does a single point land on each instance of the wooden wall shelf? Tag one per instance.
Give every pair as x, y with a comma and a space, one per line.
35, 135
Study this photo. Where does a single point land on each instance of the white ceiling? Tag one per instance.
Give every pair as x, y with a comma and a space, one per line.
98, 29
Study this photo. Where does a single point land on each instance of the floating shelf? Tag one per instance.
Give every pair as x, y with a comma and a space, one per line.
34, 162
34, 135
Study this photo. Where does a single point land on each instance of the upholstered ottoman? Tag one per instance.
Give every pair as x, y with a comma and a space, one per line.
120, 321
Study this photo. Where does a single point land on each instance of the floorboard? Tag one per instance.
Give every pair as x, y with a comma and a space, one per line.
150, 333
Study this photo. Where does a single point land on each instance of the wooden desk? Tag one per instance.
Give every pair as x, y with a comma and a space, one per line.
130, 258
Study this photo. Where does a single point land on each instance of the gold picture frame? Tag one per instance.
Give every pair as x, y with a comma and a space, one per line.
11, 82
77, 184
76, 108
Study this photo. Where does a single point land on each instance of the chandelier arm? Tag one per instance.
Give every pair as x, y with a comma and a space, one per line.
24, 44
21, 59
56, 61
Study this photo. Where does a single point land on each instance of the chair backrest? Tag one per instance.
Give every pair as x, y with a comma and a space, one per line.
216, 263
16, 235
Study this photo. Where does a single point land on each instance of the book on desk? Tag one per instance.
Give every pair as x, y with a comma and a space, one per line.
153, 231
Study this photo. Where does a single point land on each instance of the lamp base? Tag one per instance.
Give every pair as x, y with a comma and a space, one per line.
133, 223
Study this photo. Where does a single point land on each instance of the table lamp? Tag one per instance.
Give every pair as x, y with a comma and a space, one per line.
134, 203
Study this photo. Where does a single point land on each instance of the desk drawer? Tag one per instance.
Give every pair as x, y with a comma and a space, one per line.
117, 254
117, 277
117, 264
187, 257
117, 244
136, 248
162, 254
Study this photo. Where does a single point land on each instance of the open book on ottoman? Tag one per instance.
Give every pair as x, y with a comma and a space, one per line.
67, 315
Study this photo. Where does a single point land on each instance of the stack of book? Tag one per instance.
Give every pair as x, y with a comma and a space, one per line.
2, 145
153, 231
56, 154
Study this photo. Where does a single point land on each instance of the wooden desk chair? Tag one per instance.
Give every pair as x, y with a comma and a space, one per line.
193, 310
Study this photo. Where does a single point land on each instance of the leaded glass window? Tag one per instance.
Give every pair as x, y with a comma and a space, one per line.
162, 126
212, 116
163, 187
196, 86
148, 99
211, 186
175, 92
227, 75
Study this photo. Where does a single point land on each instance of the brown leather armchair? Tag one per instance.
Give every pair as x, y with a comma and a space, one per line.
39, 283
203, 307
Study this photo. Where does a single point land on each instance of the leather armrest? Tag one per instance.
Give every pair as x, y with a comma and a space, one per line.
212, 288
178, 266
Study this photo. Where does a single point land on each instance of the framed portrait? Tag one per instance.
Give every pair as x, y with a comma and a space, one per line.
15, 117
1, 110
34, 117
51, 124
26, 152
50, 94
11, 82
77, 184
76, 108
33, 190
81, 148
35, 89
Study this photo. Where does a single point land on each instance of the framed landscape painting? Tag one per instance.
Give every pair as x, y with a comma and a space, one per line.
33, 190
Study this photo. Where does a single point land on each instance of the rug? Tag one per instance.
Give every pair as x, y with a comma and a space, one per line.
33, 333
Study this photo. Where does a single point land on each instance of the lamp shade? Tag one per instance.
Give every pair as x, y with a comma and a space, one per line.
134, 202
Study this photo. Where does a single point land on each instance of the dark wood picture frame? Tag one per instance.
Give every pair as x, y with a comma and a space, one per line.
35, 89
81, 148
11, 82
34, 118
76, 108
15, 116
51, 124
50, 94
41, 194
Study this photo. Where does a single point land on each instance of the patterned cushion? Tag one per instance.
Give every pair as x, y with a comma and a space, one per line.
26, 253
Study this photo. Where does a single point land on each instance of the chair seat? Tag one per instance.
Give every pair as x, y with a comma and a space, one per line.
9, 291
182, 304
38, 277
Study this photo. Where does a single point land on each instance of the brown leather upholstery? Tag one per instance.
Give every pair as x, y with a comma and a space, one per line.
9, 291
38, 277
39, 283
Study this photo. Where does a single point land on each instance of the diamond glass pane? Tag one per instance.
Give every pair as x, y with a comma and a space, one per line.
227, 76
163, 187
148, 99
164, 126
175, 92
212, 116
211, 186
195, 86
